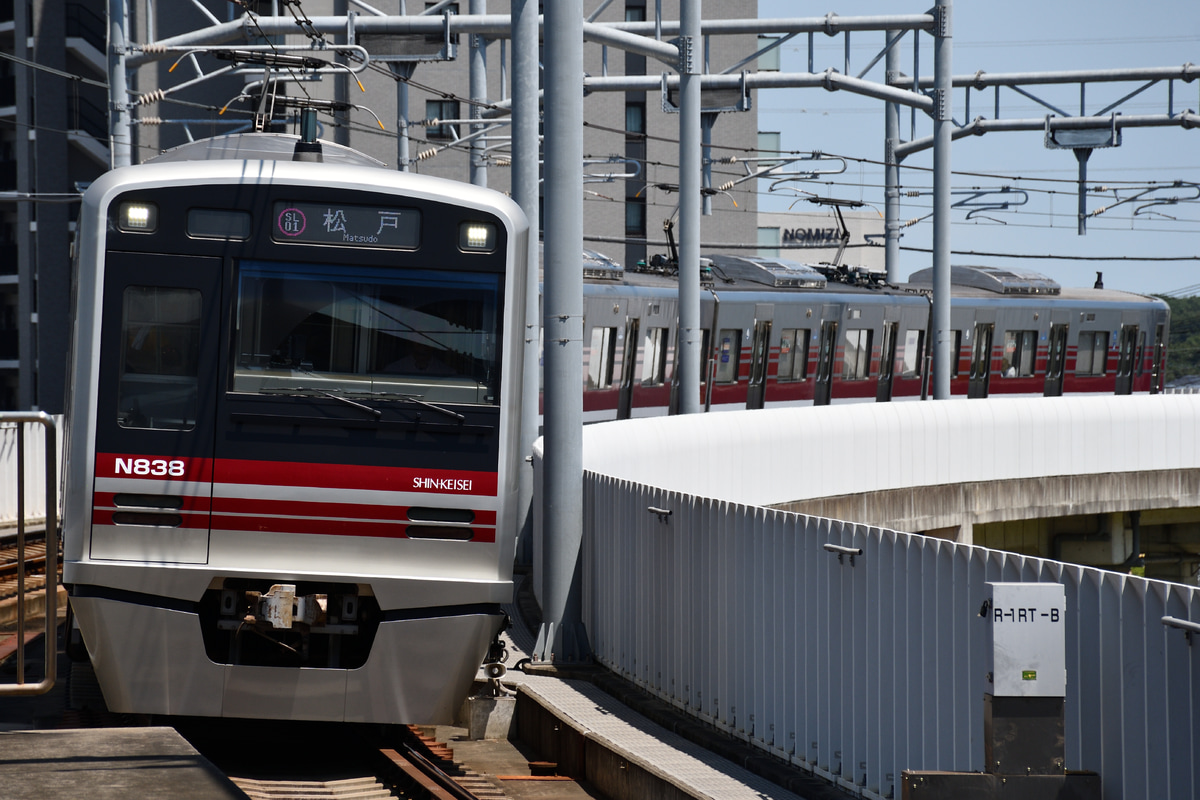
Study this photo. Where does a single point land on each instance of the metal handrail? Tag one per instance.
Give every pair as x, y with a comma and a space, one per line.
21, 688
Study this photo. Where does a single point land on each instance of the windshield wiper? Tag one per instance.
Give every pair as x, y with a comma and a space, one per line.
305, 391
408, 398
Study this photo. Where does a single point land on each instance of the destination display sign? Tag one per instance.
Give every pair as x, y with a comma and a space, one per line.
346, 225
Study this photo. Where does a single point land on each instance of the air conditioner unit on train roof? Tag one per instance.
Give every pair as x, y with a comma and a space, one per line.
994, 279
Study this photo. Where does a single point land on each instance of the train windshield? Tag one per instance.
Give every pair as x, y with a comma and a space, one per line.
367, 332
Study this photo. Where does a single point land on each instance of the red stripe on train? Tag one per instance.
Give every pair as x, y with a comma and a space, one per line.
289, 473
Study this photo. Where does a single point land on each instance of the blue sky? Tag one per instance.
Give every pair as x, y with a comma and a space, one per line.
1019, 36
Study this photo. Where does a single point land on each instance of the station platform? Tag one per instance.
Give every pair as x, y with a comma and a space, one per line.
107, 764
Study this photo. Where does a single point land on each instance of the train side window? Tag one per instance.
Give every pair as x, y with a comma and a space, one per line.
654, 357
793, 354
729, 350
911, 353
856, 360
160, 358
1020, 351
1092, 353
600, 358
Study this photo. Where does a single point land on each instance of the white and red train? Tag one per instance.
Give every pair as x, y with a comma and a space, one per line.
292, 450
778, 333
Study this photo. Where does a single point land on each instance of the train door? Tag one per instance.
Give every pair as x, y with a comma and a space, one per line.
628, 362
760, 357
155, 412
1056, 357
981, 359
823, 386
887, 361
1126, 356
1160, 356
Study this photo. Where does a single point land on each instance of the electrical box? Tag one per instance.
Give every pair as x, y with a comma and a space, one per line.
1028, 639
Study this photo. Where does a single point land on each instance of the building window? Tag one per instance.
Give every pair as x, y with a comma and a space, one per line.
1020, 353
635, 13
635, 118
856, 360
768, 61
635, 216
1092, 355
770, 143
440, 110
793, 354
768, 242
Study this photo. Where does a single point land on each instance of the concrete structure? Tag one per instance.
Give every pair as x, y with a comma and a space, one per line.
54, 140
1066, 478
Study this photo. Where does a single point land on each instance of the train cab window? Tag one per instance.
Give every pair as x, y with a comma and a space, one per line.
793, 354
1020, 351
1092, 353
654, 357
729, 351
912, 352
316, 330
600, 358
160, 358
856, 360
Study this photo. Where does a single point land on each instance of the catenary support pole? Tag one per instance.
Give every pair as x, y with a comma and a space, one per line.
891, 169
525, 192
690, 334
562, 637
119, 139
478, 80
943, 127
402, 71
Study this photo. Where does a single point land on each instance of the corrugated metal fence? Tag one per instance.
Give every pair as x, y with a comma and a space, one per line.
857, 669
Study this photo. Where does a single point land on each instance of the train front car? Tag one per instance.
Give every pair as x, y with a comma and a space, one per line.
292, 465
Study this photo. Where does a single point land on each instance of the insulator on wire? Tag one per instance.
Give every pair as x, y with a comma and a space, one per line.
154, 47
151, 97
911, 222
725, 187
149, 121
912, 193
427, 154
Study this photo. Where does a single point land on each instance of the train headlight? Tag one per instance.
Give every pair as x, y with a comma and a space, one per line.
137, 217
477, 237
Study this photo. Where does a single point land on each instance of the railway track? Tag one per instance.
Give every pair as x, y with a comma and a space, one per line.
401, 763
35, 565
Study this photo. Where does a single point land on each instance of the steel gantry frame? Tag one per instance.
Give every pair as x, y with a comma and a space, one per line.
565, 86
